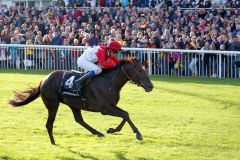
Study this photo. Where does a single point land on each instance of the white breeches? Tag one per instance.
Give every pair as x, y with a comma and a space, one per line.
88, 66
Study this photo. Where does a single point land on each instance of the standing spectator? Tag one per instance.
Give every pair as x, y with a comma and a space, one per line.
176, 60
112, 35
153, 3
5, 33
93, 41
124, 3
24, 28
195, 57
29, 34
66, 56
14, 54
56, 40
31, 60
47, 54
156, 39
237, 30
1, 25
37, 52
127, 39
205, 57
74, 52
226, 69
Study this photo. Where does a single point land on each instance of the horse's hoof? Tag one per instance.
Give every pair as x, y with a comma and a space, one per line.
110, 130
100, 135
53, 142
139, 137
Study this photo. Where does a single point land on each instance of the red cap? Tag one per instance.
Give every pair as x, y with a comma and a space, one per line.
115, 46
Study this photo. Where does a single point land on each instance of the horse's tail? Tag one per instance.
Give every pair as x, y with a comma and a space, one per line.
25, 97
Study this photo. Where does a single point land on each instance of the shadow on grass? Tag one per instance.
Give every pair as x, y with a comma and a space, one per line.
5, 158
197, 80
120, 155
81, 155
143, 158
225, 103
67, 158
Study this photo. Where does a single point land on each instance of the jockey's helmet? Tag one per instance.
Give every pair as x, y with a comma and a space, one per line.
115, 46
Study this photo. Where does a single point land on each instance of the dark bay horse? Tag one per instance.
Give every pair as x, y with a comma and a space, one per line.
101, 94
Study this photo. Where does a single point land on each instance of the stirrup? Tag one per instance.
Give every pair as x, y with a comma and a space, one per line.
77, 92
70, 94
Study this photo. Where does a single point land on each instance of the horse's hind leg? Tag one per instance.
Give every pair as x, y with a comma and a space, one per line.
52, 111
115, 111
79, 119
49, 124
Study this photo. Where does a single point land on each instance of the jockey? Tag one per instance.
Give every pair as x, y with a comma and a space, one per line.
95, 58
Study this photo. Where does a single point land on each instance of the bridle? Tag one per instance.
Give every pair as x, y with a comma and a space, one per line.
138, 82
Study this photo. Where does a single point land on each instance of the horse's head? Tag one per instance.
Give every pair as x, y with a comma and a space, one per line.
137, 74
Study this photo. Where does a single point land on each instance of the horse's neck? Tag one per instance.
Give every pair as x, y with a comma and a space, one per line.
117, 78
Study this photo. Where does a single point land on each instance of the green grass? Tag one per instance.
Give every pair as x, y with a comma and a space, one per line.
182, 118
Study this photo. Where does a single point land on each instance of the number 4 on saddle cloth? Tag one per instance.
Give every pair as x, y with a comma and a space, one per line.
67, 85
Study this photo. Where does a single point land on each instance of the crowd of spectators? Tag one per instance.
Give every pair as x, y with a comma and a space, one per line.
156, 24
151, 3
162, 26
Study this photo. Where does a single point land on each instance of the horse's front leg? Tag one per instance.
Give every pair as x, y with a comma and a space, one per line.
79, 119
116, 111
120, 126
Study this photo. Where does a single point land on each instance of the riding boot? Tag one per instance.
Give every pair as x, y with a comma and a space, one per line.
78, 82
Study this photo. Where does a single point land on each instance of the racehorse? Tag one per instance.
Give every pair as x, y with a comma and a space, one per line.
101, 94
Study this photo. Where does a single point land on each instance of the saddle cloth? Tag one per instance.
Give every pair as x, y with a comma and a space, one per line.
67, 86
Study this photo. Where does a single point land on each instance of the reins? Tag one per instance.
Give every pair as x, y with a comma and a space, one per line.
130, 79
138, 83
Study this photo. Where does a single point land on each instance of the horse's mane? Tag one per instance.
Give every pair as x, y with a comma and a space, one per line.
120, 63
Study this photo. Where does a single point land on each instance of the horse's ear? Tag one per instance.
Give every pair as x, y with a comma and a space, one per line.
132, 59
128, 65
136, 60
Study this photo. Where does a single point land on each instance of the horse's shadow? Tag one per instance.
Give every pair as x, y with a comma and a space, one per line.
6, 158
120, 155
81, 155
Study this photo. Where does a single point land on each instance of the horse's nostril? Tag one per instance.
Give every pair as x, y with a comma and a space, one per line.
149, 88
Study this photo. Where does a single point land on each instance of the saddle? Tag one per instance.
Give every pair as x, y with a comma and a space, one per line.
67, 84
